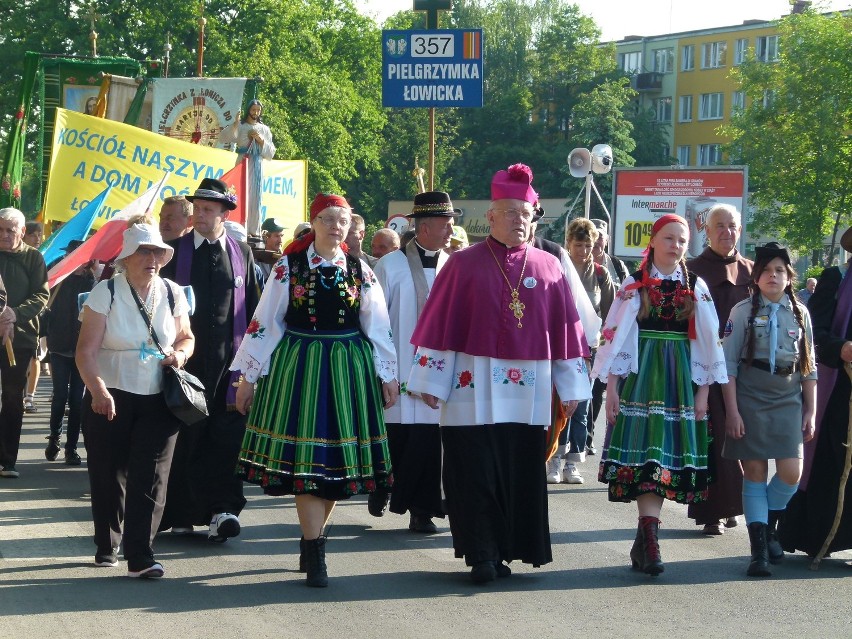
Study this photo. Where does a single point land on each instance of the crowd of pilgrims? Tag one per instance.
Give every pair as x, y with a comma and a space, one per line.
459, 384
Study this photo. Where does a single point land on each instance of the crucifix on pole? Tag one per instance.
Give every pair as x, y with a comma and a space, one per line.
93, 35
431, 8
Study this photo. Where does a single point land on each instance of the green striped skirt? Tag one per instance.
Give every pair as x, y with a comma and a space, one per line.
317, 423
656, 446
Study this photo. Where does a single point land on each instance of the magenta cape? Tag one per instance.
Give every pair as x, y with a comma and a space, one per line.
468, 307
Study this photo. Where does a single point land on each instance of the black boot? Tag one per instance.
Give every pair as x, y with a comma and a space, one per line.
377, 502
776, 553
637, 557
652, 562
315, 563
302, 561
759, 565
53, 448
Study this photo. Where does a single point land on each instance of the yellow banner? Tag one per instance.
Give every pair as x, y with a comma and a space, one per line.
89, 153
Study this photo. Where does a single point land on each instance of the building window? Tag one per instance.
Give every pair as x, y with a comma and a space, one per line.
667, 152
713, 54
766, 48
768, 98
684, 111
740, 50
663, 60
687, 58
630, 62
663, 109
709, 154
710, 107
683, 155
737, 102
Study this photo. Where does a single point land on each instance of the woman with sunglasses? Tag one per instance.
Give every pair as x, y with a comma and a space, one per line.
130, 432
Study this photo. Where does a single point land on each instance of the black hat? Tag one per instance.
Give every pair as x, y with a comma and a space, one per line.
538, 212
214, 191
73, 245
770, 251
432, 204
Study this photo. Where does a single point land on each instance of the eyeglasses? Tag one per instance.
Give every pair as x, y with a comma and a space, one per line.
146, 251
330, 221
513, 214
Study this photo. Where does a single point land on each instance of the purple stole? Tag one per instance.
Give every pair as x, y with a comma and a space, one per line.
182, 274
826, 376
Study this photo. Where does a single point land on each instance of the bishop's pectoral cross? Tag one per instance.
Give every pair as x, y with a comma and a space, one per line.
517, 307
432, 7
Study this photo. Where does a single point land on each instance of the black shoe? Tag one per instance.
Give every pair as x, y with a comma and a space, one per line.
52, 449
773, 546
422, 524
108, 559
315, 563
591, 450
72, 458
377, 502
148, 570
759, 564
483, 572
502, 570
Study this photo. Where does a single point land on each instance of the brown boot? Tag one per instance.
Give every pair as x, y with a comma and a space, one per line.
652, 563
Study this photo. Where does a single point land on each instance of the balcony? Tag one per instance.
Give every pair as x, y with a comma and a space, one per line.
651, 81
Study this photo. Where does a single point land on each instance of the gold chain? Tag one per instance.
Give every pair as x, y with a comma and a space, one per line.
516, 306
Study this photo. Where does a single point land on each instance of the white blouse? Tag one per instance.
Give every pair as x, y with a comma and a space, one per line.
619, 351
267, 327
125, 360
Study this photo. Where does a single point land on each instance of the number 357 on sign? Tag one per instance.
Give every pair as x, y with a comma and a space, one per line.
637, 234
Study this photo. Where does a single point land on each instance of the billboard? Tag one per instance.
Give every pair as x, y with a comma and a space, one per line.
640, 196
440, 68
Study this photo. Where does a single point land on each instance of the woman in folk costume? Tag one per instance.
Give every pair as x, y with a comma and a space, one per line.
318, 340
770, 398
662, 335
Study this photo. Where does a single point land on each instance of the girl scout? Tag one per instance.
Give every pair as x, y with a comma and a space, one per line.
770, 398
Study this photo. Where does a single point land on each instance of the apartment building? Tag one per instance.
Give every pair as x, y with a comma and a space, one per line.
686, 80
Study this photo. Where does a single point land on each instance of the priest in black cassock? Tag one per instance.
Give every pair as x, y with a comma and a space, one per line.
203, 487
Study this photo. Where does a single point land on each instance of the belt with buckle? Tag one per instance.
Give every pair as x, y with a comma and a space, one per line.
784, 371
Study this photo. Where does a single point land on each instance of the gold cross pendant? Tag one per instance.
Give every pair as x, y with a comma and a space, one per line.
517, 307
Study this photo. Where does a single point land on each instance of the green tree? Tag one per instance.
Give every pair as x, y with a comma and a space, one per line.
794, 133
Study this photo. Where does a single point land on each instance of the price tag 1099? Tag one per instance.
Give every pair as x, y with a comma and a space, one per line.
637, 234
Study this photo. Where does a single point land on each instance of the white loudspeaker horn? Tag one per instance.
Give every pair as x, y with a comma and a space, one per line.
602, 158
580, 162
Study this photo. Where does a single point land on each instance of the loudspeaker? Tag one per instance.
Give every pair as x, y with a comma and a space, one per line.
602, 158
580, 162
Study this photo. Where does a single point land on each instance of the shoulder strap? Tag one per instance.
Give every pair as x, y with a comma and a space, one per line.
146, 318
171, 295
111, 287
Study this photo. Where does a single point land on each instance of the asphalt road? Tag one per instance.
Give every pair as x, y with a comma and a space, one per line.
388, 582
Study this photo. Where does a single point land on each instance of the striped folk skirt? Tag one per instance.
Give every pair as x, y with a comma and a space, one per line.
317, 423
656, 446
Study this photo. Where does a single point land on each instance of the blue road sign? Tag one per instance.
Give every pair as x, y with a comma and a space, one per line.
439, 68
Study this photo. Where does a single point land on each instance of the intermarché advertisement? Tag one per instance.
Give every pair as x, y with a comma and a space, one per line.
641, 196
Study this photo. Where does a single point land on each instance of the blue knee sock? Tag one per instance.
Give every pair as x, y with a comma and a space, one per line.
779, 493
755, 502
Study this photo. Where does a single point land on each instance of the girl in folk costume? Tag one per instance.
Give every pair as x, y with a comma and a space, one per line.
661, 333
319, 339
770, 398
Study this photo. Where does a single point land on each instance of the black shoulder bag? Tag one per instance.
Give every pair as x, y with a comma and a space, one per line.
183, 392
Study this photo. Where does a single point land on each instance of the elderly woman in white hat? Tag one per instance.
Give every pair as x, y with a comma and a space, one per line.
130, 433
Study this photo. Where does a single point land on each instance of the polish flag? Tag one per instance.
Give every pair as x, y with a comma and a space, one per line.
105, 245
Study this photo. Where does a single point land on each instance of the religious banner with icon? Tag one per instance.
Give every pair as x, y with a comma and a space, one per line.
196, 109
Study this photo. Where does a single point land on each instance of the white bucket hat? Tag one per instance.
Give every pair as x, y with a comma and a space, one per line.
236, 230
144, 235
